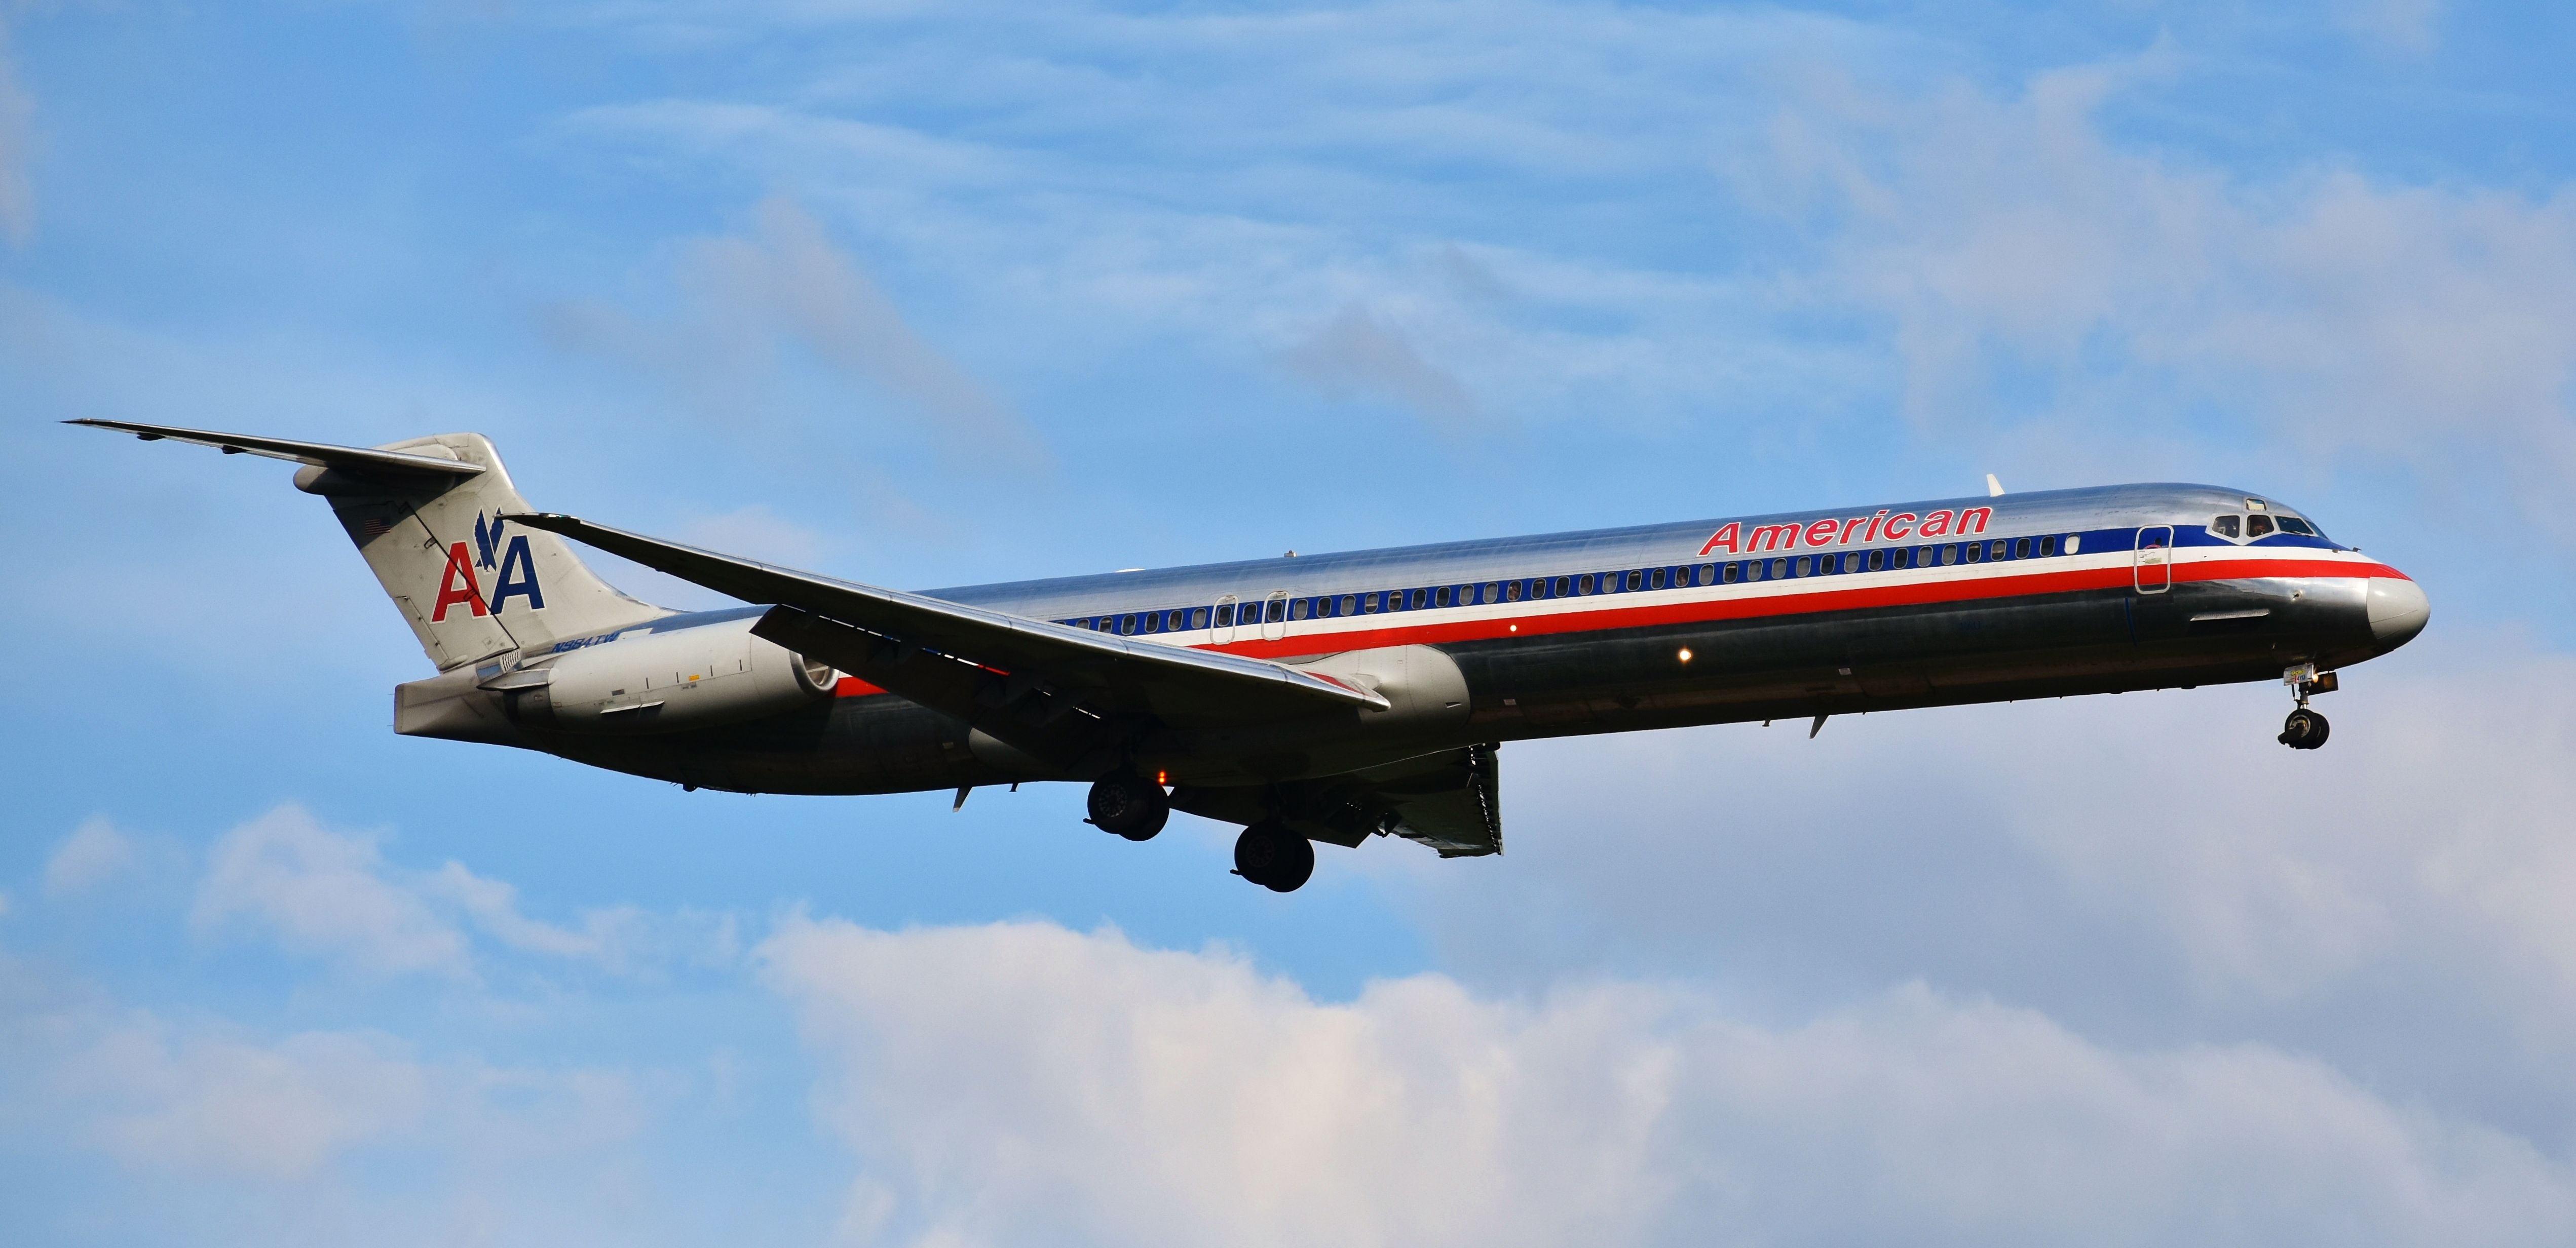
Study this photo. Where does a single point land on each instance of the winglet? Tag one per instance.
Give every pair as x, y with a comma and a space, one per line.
1994, 488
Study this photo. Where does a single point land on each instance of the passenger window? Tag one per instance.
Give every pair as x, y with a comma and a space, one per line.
1799, 567
2048, 546
1563, 584
1538, 587
1225, 615
1656, 581
1493, 592
2224, 526
1126, 625
1636, 581
2258, 526
1368, 604
1421, 599
1726, 574
1877, 560
1511, 591
1950, 553
1995, 549
2021, 548
2293, 524
1583, 583
1976, 552
1779, 568
1199, 618
2072, 539
1395, 600
1349, 603
1278, 610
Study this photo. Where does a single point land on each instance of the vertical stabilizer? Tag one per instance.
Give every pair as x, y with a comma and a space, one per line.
470, 584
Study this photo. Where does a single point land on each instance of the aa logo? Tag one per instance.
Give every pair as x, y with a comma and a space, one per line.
516, 573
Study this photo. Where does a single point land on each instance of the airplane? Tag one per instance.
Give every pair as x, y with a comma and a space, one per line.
1330, 697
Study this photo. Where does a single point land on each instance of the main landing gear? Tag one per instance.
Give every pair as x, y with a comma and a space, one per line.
1268, 853
1129, 805
2305, 729
1272, 856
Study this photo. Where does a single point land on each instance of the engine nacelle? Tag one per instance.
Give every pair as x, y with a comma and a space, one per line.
668, 681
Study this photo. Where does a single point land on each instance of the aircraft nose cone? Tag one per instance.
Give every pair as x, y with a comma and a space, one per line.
2398, 611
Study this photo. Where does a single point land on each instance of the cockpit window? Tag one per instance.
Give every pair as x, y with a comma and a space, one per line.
2224, 526
2293, 524
2258, 525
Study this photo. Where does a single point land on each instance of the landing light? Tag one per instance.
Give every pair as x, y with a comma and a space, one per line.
1685, 655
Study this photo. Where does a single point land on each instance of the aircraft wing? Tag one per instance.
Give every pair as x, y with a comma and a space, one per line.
1058, 693
1450, 801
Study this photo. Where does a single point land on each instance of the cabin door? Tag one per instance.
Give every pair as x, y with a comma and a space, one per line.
1274, 616
1224, 631
2154, 567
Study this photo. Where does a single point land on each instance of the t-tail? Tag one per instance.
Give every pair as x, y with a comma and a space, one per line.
429, 516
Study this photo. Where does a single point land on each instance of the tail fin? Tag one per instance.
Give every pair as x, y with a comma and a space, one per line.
470, 583
427, 516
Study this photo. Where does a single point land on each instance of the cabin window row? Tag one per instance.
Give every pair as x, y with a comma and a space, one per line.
1632, 580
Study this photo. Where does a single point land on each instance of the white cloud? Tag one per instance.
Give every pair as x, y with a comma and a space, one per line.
219, 1104
332, 895
94, 853
1021, 1081
325, 894
2151, 868
2348, 318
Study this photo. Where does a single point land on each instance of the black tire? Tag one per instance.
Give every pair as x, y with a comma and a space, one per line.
1129, 806
1270, 855
2304, 730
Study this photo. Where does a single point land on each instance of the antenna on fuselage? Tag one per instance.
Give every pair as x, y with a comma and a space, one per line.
1994, 488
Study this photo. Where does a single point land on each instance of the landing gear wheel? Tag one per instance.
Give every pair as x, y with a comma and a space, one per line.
1270, 855
1129, 805
2304, 730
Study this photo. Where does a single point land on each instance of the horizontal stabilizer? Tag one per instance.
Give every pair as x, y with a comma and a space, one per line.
352, 459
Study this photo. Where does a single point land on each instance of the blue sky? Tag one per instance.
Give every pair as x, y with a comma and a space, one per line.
936, 294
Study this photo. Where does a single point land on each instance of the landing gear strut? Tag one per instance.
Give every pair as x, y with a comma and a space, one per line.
1129, 805
2305, 729
1272, 856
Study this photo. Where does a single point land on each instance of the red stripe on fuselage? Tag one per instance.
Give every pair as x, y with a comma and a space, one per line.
1802, 602
1799, 602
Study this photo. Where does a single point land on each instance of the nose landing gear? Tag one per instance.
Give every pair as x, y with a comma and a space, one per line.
1272, 856
2305, 729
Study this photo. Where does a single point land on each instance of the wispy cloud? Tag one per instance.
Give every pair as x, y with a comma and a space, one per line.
784, 283
1357, 355
325, 894
332, 895
2375, 323
94, 853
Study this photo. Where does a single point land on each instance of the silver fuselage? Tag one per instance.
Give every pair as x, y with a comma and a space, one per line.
2068, 592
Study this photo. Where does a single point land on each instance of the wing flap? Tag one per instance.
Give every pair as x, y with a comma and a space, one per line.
1449, 800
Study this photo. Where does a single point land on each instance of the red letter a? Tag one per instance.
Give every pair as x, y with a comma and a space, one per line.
459, 564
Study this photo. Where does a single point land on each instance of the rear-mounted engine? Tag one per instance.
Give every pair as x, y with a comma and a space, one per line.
665, 682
